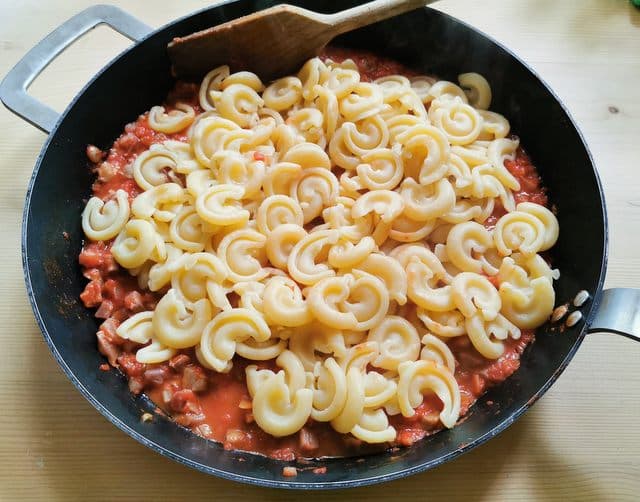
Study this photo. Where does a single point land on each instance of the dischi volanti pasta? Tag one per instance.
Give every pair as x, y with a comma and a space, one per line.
334, 234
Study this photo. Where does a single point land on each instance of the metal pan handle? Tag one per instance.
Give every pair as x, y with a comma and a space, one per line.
13, 88
619, 313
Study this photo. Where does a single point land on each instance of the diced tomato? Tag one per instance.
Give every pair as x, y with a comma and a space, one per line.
92, 294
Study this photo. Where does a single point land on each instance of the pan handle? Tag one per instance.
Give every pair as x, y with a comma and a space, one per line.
619, 313
13, 88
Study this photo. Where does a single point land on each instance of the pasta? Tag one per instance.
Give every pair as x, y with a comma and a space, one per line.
339, 244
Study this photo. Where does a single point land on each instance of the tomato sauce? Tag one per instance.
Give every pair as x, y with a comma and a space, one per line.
216, 405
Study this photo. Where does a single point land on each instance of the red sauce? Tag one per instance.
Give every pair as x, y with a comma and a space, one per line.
217, 405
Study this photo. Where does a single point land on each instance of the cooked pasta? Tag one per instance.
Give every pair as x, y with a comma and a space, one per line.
342, 233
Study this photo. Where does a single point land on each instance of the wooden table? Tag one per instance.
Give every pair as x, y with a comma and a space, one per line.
581, 441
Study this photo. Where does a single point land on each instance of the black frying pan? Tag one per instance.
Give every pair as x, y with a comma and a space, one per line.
139, 78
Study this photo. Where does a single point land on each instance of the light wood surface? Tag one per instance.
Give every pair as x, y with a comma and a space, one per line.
580, 442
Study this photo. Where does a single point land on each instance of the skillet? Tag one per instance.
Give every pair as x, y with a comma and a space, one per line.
426, 40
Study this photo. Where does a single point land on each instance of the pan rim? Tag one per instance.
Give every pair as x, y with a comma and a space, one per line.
320, 485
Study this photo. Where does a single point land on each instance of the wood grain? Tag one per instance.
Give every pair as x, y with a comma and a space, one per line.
580, 442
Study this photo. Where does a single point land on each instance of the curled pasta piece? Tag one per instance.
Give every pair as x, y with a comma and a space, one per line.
339, 217
398, 341
425, 275
283, 93
397, 124
344, 254
279, 411
497, 152
477, 89
278, 210
283, 303
486, 336
302, 261
243, 253
281, 241
393, 86
239, 103
353, 408
421, 85
251, 295
330, 390
418, 376
385, 203
445, 324
221, 335
187, 163
187, 231
342, 81
138, 328
177, 326
526, 302
434, 349
356, 302
519, 231
162, 202
307, 155
234, 168
370, 134
306, 340
199, 180
548, 219
381, 169
405, 229
308, 123
314, 190
359, 356
494, 125
193, 271
279, 178
174, 121
378, 389
137, 243
247, 78
155, 353
373, 427
485, 184
474, 294
461, 123
427, 202
470, 209
388, 271
425, 151
467, 244
327, 103
151, 167
314, 72
160, 273
365, 100
211, 86
261, 351
219, 205
103, 221
445, 91
209, 136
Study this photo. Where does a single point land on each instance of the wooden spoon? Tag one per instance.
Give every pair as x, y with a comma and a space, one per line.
275, 41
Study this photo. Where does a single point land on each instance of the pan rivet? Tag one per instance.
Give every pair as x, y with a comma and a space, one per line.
573, 318
581, 298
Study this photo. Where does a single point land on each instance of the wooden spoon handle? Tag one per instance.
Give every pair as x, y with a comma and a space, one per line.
369, 13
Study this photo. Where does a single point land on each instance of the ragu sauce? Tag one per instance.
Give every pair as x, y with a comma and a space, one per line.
216, 405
